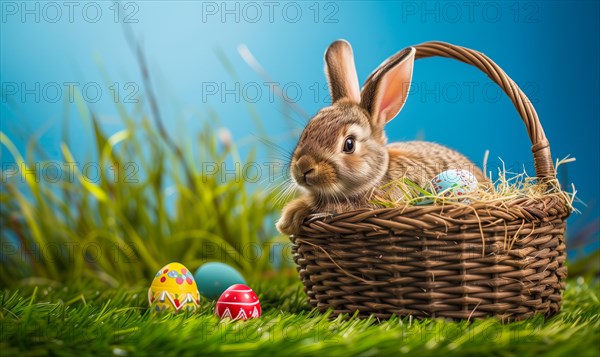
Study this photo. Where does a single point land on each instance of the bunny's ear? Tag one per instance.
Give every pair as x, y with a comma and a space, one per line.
386, 89
341, 72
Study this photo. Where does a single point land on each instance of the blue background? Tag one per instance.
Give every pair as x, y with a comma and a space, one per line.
550, 48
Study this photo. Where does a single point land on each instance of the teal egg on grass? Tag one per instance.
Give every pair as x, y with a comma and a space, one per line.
214, 278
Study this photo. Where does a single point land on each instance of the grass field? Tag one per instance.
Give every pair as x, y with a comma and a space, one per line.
86, 318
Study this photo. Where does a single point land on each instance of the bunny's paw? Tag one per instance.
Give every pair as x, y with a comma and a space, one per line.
294, 214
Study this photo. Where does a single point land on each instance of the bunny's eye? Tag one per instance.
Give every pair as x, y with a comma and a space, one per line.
349, 145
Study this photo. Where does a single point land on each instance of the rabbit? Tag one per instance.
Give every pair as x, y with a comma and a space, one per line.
341, 157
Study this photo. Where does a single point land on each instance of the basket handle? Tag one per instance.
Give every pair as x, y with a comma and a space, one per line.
540, 148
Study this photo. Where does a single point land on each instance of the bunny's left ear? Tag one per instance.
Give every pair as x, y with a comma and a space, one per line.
341, 72
386, 89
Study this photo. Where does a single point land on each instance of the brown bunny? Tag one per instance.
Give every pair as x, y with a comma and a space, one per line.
342, 158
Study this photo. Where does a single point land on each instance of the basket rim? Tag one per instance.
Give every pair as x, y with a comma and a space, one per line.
556, 198
551, 206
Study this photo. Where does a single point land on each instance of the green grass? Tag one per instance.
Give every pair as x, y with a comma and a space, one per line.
160, 205
64, 320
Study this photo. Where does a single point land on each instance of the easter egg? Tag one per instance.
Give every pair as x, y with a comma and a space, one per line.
238, 302
214, 278
454, 183
173, 289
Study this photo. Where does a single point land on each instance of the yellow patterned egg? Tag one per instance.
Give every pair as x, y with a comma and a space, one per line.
173, 289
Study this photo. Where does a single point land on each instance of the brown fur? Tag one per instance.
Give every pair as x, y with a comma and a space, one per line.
420, 161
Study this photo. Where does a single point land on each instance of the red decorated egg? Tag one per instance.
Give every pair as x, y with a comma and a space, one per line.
238, 302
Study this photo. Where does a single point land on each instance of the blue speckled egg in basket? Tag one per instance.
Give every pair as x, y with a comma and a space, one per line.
454, 183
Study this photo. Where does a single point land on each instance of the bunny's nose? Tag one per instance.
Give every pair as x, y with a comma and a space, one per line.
305, 170
308, 176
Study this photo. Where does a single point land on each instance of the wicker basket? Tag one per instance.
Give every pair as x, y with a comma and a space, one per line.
450, 261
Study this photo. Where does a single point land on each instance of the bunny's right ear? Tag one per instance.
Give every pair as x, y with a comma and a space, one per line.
386, 89
341, 72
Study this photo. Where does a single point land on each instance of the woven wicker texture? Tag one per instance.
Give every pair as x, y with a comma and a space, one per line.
503, 259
